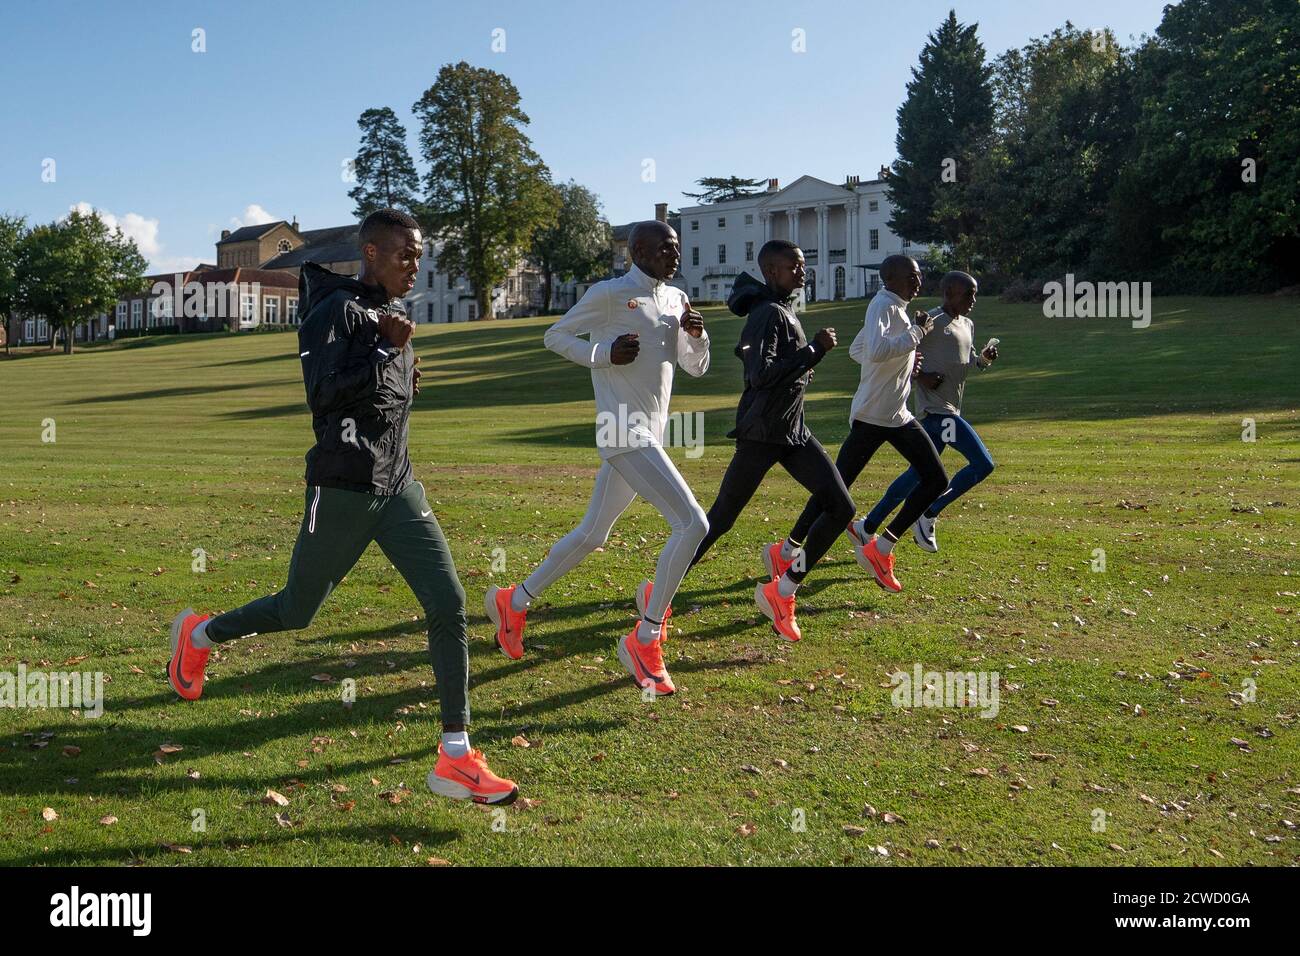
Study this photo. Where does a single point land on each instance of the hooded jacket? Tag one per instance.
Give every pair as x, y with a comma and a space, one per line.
358, 385
778, 364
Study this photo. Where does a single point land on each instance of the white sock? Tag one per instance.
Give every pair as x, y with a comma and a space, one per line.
455, 745
785, 587
199, 636
885, 543
648, 631
519, 600
789, 549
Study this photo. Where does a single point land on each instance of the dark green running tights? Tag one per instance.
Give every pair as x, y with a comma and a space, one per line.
337, 527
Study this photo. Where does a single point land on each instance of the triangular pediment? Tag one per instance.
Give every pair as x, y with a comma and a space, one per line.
807, 190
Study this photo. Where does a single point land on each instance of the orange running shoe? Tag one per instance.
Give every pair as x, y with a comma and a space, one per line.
776, 565
469, 779
645, 662
780, 610
510, 623
185, 669
643, 601
882, 566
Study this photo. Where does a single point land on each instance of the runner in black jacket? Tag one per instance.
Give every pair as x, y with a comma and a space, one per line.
361, 377
770, 428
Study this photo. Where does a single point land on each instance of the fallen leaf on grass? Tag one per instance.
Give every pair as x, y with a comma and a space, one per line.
979, 772
521, 741
71, 751
108, 821
177, 848
746, 829
283, 820
854, 831
49, 815
279, 799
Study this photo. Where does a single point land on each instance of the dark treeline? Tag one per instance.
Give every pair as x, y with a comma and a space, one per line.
1175, 159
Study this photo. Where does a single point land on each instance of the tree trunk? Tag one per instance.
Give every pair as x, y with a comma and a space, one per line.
484, 304
67, 339
546, 302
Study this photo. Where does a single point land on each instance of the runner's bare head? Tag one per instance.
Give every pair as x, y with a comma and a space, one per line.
902, 276
958, 290
391, 245
654, 248
782, 265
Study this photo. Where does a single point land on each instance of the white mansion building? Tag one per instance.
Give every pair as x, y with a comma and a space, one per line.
842, 230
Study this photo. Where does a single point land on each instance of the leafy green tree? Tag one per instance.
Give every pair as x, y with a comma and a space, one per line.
13, 229
724, 188
73, 269
943, 125
386, 177
1211, 199
1063, 129
486, 190
575, 244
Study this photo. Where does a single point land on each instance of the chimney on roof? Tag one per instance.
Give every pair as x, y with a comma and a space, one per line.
773, 185
294, 225
661, 212
884, 172
851, 182
225, 233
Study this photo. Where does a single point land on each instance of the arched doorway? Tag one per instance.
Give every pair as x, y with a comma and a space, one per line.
839, 283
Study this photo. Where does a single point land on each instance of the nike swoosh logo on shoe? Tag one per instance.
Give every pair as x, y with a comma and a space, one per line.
474, 779
425, 514
180, 659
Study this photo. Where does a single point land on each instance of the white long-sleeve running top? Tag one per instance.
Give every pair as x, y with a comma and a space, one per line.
884, 348
631, 400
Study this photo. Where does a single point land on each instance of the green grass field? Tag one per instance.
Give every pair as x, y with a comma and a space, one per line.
1125, 691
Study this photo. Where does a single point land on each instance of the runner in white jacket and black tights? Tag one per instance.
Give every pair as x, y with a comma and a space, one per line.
637, 329
886, 349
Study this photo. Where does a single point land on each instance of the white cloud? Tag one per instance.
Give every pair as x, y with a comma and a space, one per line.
145, 233
254, 215
133, 225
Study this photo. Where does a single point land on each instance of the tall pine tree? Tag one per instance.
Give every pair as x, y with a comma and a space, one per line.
943, 125
386, 176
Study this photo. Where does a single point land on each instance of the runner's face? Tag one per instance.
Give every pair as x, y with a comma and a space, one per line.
394, 260
661, 259
961, 301
787, 273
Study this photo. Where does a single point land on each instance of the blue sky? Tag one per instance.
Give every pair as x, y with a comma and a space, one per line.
176, 145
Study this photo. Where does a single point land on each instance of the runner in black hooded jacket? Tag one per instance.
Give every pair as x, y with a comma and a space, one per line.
361, 378
770, 428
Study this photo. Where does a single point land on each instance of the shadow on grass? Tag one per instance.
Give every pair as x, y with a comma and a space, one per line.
156, 854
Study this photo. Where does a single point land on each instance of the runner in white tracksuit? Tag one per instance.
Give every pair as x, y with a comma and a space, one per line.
636, 314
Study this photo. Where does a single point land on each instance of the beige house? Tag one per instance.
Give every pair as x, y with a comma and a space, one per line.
282, 245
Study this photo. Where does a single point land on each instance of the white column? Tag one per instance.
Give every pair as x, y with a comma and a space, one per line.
765, 220
825, 284
851, 287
